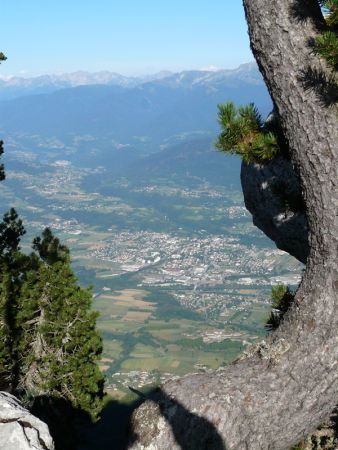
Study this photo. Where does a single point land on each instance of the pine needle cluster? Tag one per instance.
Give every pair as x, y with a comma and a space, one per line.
281, 298
243, 133
327, 41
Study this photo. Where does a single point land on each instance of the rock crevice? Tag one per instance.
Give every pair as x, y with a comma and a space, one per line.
19, 429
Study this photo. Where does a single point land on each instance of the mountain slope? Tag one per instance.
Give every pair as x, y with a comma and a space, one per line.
181, 103
197, 158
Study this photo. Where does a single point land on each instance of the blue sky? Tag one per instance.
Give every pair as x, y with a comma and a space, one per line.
129, 36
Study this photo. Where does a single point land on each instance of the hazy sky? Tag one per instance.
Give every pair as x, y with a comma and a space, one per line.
126, 36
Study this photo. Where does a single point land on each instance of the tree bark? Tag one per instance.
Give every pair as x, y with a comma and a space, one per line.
286, 386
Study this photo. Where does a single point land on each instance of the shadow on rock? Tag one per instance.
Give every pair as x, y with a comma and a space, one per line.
190, 431
64, 421
111, 431
72, 429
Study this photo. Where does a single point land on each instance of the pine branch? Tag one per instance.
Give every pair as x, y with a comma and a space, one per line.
243, 133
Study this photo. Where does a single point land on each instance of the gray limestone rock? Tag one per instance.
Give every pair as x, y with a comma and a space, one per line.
19, 429
272, 194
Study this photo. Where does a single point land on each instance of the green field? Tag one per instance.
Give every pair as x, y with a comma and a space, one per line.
136, 339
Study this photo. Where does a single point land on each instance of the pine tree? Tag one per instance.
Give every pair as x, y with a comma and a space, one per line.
11, 262
11, 231
49, 248
49, 345
48, 342
60, 346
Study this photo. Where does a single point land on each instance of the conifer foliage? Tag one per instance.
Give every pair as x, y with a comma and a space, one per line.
327, 41
65, 345
12, 261
243, 133
282, 298
49, 346
242, 129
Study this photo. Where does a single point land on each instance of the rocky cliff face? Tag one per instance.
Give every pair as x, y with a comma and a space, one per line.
273, 196
19, 429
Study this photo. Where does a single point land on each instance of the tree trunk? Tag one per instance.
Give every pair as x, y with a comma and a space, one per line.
288, 385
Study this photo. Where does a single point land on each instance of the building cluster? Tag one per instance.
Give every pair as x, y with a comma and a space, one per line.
192, 261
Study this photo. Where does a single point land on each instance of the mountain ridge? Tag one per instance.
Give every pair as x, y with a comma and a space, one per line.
169, 106
15, 86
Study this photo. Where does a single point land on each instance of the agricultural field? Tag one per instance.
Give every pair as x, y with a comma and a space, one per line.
180, 277
138, 341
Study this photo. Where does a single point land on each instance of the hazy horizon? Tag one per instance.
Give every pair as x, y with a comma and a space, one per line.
139, 74
131, 39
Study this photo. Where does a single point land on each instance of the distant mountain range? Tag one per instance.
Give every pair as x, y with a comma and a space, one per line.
123, 109
13, 86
